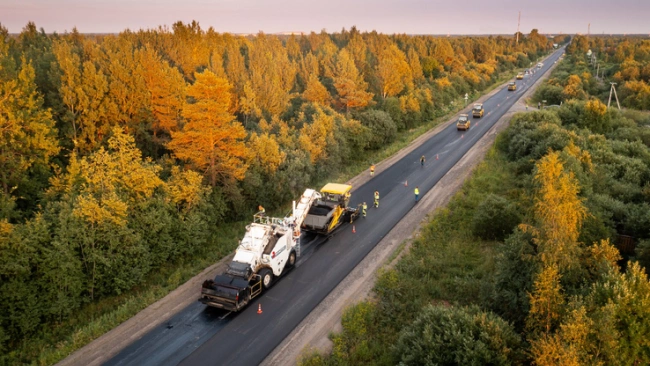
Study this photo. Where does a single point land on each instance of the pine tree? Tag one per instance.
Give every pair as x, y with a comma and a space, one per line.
211, 140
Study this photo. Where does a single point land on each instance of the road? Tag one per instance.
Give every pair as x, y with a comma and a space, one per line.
198, 335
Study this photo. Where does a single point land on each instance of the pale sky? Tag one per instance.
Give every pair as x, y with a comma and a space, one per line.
384, 16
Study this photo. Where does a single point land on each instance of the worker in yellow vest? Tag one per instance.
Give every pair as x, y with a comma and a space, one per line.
417, 194
364, 209
261, 210
376, 199
372, 170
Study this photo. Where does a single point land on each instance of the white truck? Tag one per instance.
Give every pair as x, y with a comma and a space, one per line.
269, 247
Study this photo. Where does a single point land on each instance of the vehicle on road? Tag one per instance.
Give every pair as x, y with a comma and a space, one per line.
539, 65
330, 210
463, 122
270, 246
520, 76
512, 86
477, 110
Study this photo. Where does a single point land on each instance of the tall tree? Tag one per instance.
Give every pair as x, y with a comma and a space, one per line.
27, 135
393, 71
211, 139
349, 84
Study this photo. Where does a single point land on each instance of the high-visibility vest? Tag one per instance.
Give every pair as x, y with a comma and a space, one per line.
376, 195
372, 168
417, 191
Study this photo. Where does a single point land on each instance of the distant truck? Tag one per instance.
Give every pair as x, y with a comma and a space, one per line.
477, 110
330, 210
463, 122
512, 86
520, 76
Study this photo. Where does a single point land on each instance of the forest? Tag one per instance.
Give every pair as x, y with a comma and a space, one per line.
125, 154
531, 261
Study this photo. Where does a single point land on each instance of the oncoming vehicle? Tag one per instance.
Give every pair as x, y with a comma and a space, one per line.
512, 86
539, 65
520, 76
463, 122
477, 110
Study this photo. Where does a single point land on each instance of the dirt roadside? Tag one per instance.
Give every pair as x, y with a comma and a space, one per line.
314, 329
312, 334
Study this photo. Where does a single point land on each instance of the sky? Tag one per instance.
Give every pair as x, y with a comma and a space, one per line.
384, 16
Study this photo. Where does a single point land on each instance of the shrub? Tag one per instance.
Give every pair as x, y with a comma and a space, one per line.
458, 336
495, 218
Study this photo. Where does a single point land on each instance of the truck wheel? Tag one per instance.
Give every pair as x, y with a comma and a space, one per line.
292, 259
267, 277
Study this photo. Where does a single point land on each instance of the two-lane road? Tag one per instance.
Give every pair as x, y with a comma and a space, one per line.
200, 336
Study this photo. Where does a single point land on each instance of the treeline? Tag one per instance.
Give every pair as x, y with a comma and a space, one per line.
120, 153
623, 60
521, 267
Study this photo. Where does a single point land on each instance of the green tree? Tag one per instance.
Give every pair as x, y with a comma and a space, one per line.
458, 336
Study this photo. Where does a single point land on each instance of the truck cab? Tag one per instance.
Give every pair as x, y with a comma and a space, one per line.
512, 86
477, 110
463, 122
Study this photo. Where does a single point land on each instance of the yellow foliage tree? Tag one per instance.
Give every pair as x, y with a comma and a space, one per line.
349, 83
393, 71
314, 137
211, 139
546, 302
316, 92
266, 152
573, 88
570, 346
559, 214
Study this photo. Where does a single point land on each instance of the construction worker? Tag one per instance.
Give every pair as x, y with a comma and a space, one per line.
372, 170
376, 199
261, 210
364, 209
417, 194
539, 105
422, 160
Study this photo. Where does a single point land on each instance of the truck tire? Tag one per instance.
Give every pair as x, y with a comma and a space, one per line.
292, 259
267, 278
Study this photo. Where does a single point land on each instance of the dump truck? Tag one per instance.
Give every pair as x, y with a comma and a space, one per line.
463, 122
512, 86
477, 110
269, 248
330, 210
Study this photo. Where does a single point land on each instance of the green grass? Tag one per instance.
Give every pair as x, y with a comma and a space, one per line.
56, 342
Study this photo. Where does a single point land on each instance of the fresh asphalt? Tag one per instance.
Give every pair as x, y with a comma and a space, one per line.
199, 335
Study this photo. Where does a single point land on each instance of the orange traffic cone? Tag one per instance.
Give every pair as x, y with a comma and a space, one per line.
354, 229
436, 156
259, 309
406, 183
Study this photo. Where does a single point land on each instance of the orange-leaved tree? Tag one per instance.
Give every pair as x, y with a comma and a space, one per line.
211, 139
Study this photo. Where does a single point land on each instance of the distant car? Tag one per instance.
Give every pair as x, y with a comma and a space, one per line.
539, 65
512, 86
463, 122
477, 111
520, 76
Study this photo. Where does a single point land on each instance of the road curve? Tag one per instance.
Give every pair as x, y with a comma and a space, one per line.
198, 335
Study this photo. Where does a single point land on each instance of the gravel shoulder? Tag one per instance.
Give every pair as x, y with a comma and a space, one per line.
313, 331
312, 334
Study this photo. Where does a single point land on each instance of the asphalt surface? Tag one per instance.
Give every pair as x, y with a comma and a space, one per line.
199, 335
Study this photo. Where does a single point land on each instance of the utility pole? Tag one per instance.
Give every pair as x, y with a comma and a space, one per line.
518, 23
613, 88
597, 69
588, 30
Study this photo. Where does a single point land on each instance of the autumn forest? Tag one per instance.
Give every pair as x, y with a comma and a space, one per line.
123, 153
